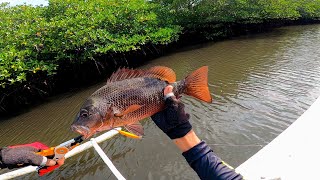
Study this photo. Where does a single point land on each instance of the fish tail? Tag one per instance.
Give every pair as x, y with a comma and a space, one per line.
196, 85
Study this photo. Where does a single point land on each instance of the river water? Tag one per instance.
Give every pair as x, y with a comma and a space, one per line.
260, 85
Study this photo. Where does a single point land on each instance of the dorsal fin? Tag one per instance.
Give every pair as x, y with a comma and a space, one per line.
124, 73
160, 72
163, 73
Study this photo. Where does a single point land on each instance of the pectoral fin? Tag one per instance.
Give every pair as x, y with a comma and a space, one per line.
110, 113
135, 128
130, 109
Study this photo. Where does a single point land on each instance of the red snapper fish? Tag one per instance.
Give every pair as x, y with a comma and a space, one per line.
132, 95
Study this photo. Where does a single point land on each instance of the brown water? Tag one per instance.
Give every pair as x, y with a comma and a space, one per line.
260, 84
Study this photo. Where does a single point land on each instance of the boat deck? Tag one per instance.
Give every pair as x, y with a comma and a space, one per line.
294, 154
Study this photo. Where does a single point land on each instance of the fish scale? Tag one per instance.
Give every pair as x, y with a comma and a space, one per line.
149, 92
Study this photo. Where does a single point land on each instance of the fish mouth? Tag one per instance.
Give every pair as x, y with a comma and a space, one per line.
83, 130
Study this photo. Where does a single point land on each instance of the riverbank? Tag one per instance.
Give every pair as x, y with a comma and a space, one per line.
58, 49
219, 32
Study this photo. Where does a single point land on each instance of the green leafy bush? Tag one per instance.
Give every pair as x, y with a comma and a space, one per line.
41, 38
195, 14
18, 44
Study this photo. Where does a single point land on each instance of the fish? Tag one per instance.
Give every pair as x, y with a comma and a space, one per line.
131, 95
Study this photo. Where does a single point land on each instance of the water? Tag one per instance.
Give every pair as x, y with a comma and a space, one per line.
260, 85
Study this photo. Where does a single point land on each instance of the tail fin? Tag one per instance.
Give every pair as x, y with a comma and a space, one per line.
196, 85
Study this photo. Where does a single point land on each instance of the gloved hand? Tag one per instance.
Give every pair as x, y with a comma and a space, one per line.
15, 156
172, 120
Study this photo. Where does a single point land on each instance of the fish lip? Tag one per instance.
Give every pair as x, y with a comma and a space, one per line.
83, 130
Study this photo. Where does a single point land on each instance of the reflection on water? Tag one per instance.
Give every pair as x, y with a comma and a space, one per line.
260, 85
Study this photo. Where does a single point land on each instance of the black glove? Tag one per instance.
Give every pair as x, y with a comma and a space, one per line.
173, 120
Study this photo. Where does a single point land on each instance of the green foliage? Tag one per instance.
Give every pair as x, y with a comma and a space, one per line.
18, 44
196, 13
42, 38
309, 9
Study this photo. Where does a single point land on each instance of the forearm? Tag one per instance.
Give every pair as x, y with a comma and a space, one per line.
202, 159
187, 142
208, 165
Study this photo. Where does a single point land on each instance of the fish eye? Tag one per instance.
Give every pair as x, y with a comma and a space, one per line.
84, 114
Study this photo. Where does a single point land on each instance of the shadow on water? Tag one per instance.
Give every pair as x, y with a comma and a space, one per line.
260, 85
